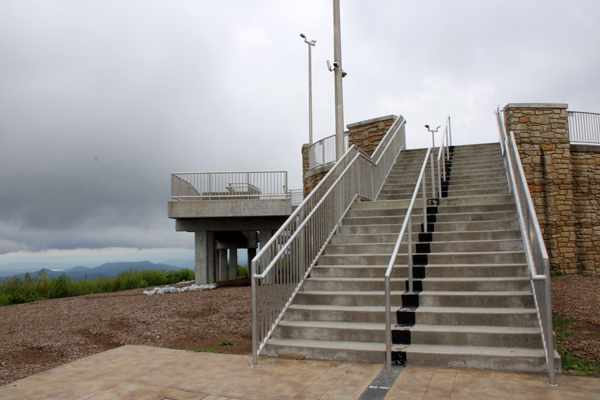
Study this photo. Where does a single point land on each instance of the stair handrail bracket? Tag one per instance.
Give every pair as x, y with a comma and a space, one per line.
280, 268
406, 228
538, 261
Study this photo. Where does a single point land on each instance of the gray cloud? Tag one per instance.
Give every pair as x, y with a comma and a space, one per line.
101, 101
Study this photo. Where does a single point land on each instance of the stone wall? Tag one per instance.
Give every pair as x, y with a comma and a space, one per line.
365, 135
564, 185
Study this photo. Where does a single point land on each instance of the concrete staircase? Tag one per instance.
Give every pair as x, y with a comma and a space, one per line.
474, 306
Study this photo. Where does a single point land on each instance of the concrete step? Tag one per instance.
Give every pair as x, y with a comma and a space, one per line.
318, 304
462, 258
437, 236
479, 357
460, 284
507, 224
431, 271
434, 247
360, 352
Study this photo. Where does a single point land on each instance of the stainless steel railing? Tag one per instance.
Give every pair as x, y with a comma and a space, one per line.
406, 228
282, 265
584, 127
322, 152
296, 195
443, 155
229, 185
535, 250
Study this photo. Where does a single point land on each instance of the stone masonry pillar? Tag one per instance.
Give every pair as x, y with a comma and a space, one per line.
542, 137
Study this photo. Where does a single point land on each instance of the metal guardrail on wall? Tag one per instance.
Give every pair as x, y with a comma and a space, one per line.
280, 268
229, 185
322, 152
535, 250
584, 127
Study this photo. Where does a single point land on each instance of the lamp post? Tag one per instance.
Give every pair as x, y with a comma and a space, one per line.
432, 134
337, 63
311, 43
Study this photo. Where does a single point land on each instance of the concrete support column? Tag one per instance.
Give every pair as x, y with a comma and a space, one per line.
201, 266
233, 263
211, 264
222, 264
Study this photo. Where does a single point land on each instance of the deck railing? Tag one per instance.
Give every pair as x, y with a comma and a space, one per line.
535, 250
282, 265
443, 156
229, 185
584, 127
322, 152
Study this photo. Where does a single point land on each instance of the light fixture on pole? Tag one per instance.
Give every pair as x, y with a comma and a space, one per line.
432, 134
311, 43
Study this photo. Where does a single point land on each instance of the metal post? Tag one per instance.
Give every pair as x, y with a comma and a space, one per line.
388, 330
410, 260
432, 175
337, 58
424, 202
310, 43
255, 321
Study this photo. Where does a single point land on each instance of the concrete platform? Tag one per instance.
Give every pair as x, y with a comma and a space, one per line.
140, 372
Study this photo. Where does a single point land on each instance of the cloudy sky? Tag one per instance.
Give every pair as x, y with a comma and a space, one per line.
101, 100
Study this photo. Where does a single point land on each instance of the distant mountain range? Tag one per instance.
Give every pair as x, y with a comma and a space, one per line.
108, 269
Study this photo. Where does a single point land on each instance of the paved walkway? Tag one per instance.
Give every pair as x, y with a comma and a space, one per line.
140, 372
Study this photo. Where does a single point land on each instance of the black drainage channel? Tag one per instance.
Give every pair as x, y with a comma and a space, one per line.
382, 384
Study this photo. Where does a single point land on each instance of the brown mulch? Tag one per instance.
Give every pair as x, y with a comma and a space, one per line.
577, 298
38, 336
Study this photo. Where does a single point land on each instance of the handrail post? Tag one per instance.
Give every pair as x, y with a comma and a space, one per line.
388, 327
432, 175
424, 203
255, 321
410, 258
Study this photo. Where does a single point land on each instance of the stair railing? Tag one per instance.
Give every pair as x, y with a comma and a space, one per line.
280, 268
406, 228
535, 250
443, 156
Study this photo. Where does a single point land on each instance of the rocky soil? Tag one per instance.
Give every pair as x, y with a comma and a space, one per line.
577, 299
38, 336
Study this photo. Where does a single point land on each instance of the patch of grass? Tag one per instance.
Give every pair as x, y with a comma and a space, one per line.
561, 326
242, 271
557, 274
17, 290
578, 366
207, 349
226, 343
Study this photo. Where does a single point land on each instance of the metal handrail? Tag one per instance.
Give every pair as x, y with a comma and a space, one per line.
407, 224
584, 127
443, 156
538, 261
229, 185
285, 261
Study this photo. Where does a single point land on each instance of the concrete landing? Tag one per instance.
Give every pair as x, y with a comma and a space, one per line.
140, 372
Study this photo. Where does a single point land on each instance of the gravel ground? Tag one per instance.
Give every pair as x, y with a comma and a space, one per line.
577, 298
38, 336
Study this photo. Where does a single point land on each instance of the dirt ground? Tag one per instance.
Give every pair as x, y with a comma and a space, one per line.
38, 336
577, 299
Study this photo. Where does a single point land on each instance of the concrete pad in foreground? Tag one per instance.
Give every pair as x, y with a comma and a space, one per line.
140, 372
